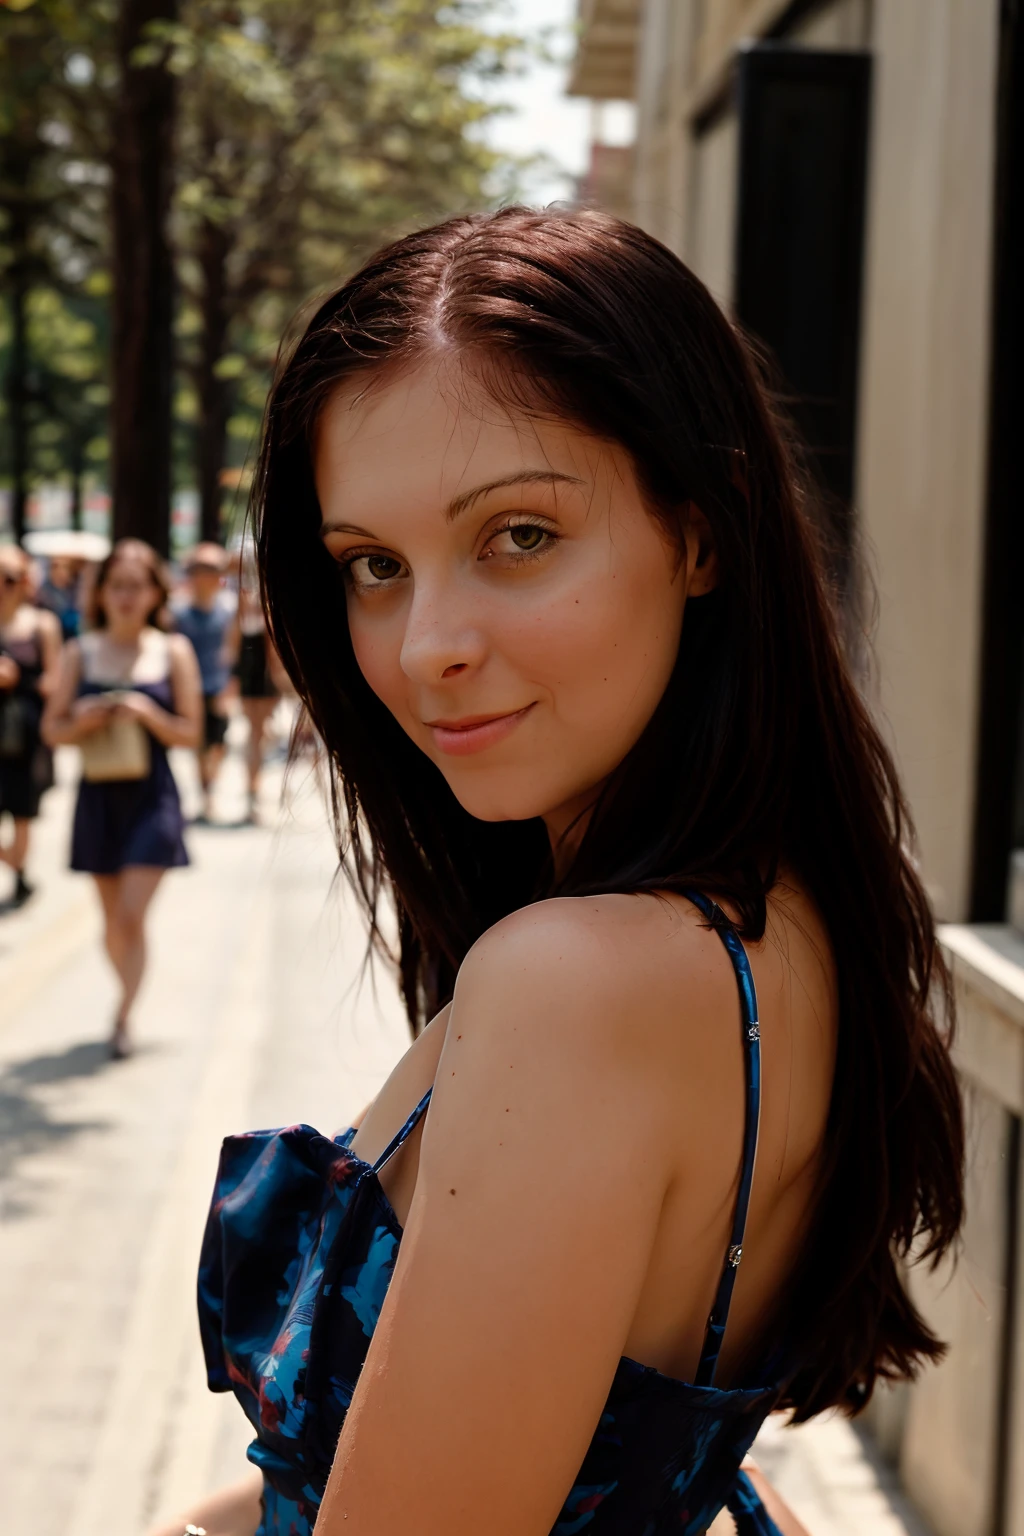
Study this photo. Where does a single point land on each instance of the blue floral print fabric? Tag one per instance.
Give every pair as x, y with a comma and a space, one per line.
299, 1250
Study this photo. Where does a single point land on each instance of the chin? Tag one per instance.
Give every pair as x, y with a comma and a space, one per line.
500, 802
500, 810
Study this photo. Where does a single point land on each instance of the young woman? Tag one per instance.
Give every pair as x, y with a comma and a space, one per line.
539, 564
29, 655
206, 615
256, 667
128, 821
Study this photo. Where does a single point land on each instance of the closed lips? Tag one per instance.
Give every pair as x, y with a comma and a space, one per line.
474, 733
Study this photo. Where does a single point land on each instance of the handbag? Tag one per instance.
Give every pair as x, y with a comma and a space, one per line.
118, 750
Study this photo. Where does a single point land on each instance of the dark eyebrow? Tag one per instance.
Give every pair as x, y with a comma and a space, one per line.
460, 504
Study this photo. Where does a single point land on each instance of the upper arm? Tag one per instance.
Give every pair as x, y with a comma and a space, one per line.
542, 1177
185, 679
50, 641
233, 635
69, 672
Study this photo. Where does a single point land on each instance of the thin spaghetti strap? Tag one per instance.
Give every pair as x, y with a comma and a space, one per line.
406, 1131
714, 1334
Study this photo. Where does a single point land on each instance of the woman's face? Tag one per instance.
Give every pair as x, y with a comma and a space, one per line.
510, 599
129, 594
13, 578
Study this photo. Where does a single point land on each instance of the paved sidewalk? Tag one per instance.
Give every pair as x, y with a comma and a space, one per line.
255, 1012
61, 918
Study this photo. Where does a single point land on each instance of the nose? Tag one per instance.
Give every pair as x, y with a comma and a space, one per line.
442, 637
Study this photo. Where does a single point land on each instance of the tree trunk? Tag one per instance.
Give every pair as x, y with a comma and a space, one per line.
143, 301
77, 474
213, 391
17, 397
16, 174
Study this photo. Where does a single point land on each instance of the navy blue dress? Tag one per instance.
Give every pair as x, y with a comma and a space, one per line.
299, 1249
130, 821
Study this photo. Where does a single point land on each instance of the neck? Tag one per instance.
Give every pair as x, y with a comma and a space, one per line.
124, 633
8, 608
566, 826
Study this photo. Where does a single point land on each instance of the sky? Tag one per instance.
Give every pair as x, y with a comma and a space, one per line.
543, 119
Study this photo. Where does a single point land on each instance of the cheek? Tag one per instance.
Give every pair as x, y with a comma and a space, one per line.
378, 649
606, 647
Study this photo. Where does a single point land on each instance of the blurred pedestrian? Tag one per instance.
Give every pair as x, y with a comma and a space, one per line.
206, 616
59, 592
127, 691
258, 670
29, 656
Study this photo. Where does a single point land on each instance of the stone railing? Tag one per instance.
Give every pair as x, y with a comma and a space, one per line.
957, 1434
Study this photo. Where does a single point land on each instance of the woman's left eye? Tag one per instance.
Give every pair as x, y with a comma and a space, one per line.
519, 540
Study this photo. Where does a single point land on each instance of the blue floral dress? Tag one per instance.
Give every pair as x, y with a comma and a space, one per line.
299, 1250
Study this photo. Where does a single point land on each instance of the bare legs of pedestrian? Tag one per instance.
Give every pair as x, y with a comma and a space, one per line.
125, 898
210, 760
258, 713
15, 853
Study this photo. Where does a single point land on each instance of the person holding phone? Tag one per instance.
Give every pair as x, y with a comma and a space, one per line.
127, 691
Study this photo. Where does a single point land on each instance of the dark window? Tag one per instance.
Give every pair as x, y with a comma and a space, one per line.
800, 227
999, 801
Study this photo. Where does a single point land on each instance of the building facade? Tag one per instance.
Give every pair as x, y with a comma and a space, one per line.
846, 177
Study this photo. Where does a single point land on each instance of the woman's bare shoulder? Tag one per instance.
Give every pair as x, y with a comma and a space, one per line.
179, 647
47, 624
181, 657
625, 969
72, 658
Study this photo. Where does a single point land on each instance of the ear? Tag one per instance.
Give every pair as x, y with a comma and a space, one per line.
701, 555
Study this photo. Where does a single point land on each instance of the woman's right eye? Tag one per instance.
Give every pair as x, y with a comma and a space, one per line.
368, 571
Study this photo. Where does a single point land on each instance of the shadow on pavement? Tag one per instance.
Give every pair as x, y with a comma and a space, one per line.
245, 824
888, 1479
26, 1124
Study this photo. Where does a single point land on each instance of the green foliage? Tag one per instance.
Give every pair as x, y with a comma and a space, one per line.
307, 134
310, 134
68, 335
52, 236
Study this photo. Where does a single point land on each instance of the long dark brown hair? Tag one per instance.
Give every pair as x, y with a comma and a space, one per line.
760, 752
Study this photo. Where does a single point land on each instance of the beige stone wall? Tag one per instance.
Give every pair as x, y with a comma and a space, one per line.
920, 501
663, 129
948, 1450
846, 24
925, 344
947, 1457
709, 234
924, 408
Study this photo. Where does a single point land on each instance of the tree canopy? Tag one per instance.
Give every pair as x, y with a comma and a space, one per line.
304, 136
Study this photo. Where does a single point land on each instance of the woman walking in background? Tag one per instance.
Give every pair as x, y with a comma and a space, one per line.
127, 691
29, 656
256, 666
205, 615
